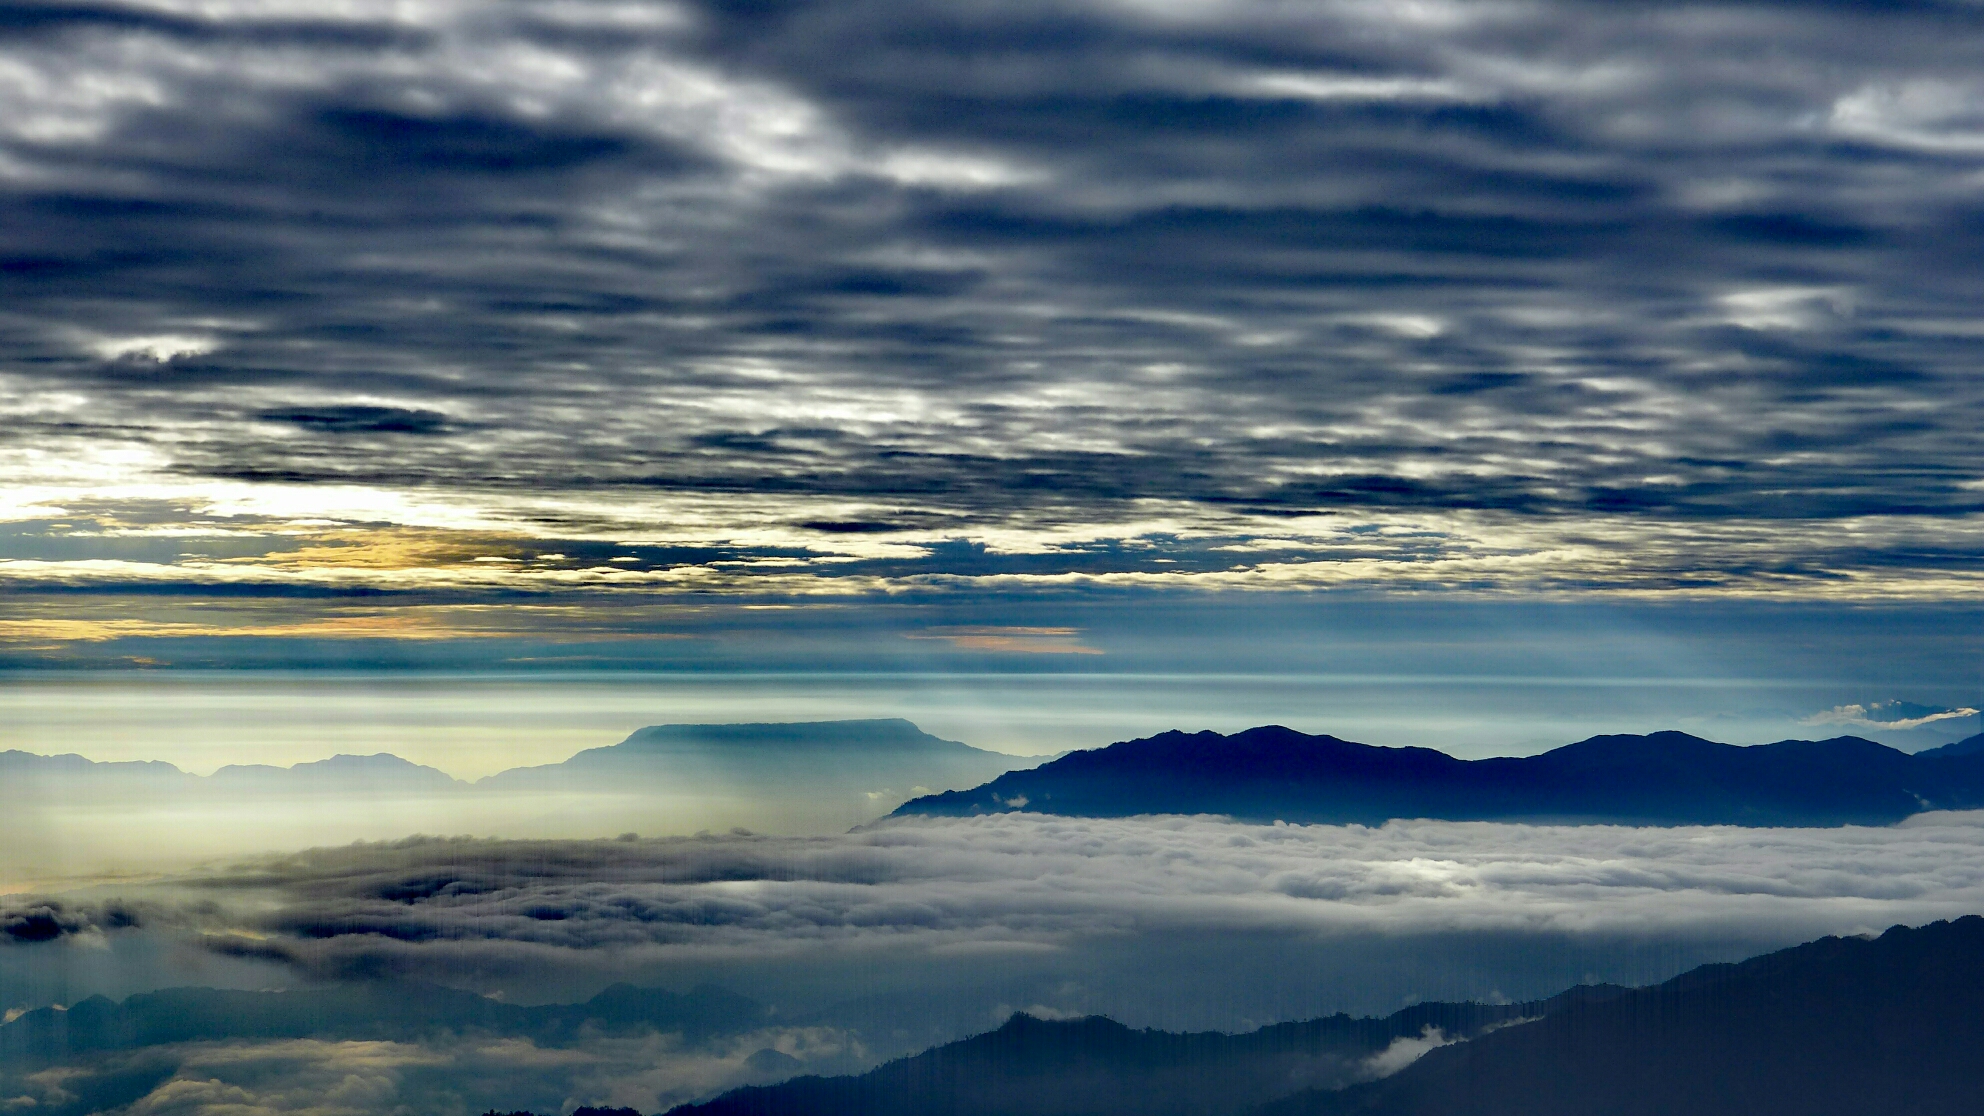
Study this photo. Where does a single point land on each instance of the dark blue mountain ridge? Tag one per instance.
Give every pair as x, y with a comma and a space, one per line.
1836, 1027
1968, 746
1664, 778
1095, 1065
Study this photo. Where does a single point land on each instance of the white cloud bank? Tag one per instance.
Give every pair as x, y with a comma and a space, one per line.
1026, 883
875, 943
1888, 715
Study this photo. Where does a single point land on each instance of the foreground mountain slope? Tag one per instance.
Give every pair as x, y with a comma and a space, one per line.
1096, 1066
1837, 1027
1666, 778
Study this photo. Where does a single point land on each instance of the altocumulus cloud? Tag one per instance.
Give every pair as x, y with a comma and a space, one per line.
1562, 295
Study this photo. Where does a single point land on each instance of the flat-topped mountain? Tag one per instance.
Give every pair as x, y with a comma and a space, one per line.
834, 757
1666, 778
1837, 1027
1098, 1067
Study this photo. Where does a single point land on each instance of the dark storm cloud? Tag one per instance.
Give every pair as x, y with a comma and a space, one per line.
932, 272
24, 921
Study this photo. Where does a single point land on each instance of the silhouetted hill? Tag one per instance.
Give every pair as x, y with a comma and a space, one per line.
1837, 1027
835, 757
1095, 1066
1968, 746
1667, 778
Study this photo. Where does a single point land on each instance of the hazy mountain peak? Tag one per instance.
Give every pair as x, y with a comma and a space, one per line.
863, 750
819, 774
380, 768
15, 762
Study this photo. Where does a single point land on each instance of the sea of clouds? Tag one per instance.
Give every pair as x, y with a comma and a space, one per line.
880, 941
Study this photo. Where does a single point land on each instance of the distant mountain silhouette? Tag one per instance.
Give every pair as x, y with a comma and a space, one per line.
362, 774
1667, 778
1968, 746
800, 758
28, 772
1837, 1027
73, 776
860, 767
1098, 1067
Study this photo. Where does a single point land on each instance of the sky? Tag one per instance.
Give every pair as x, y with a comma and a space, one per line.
482, 380
578, 333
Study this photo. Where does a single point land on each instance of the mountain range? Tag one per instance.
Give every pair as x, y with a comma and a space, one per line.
65, 776
854, 770
1666, 778
1835, 1027
856, 759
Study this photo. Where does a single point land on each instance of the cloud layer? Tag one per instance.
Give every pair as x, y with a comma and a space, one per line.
543, 295
876, 943
1889, 714
1008, 894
